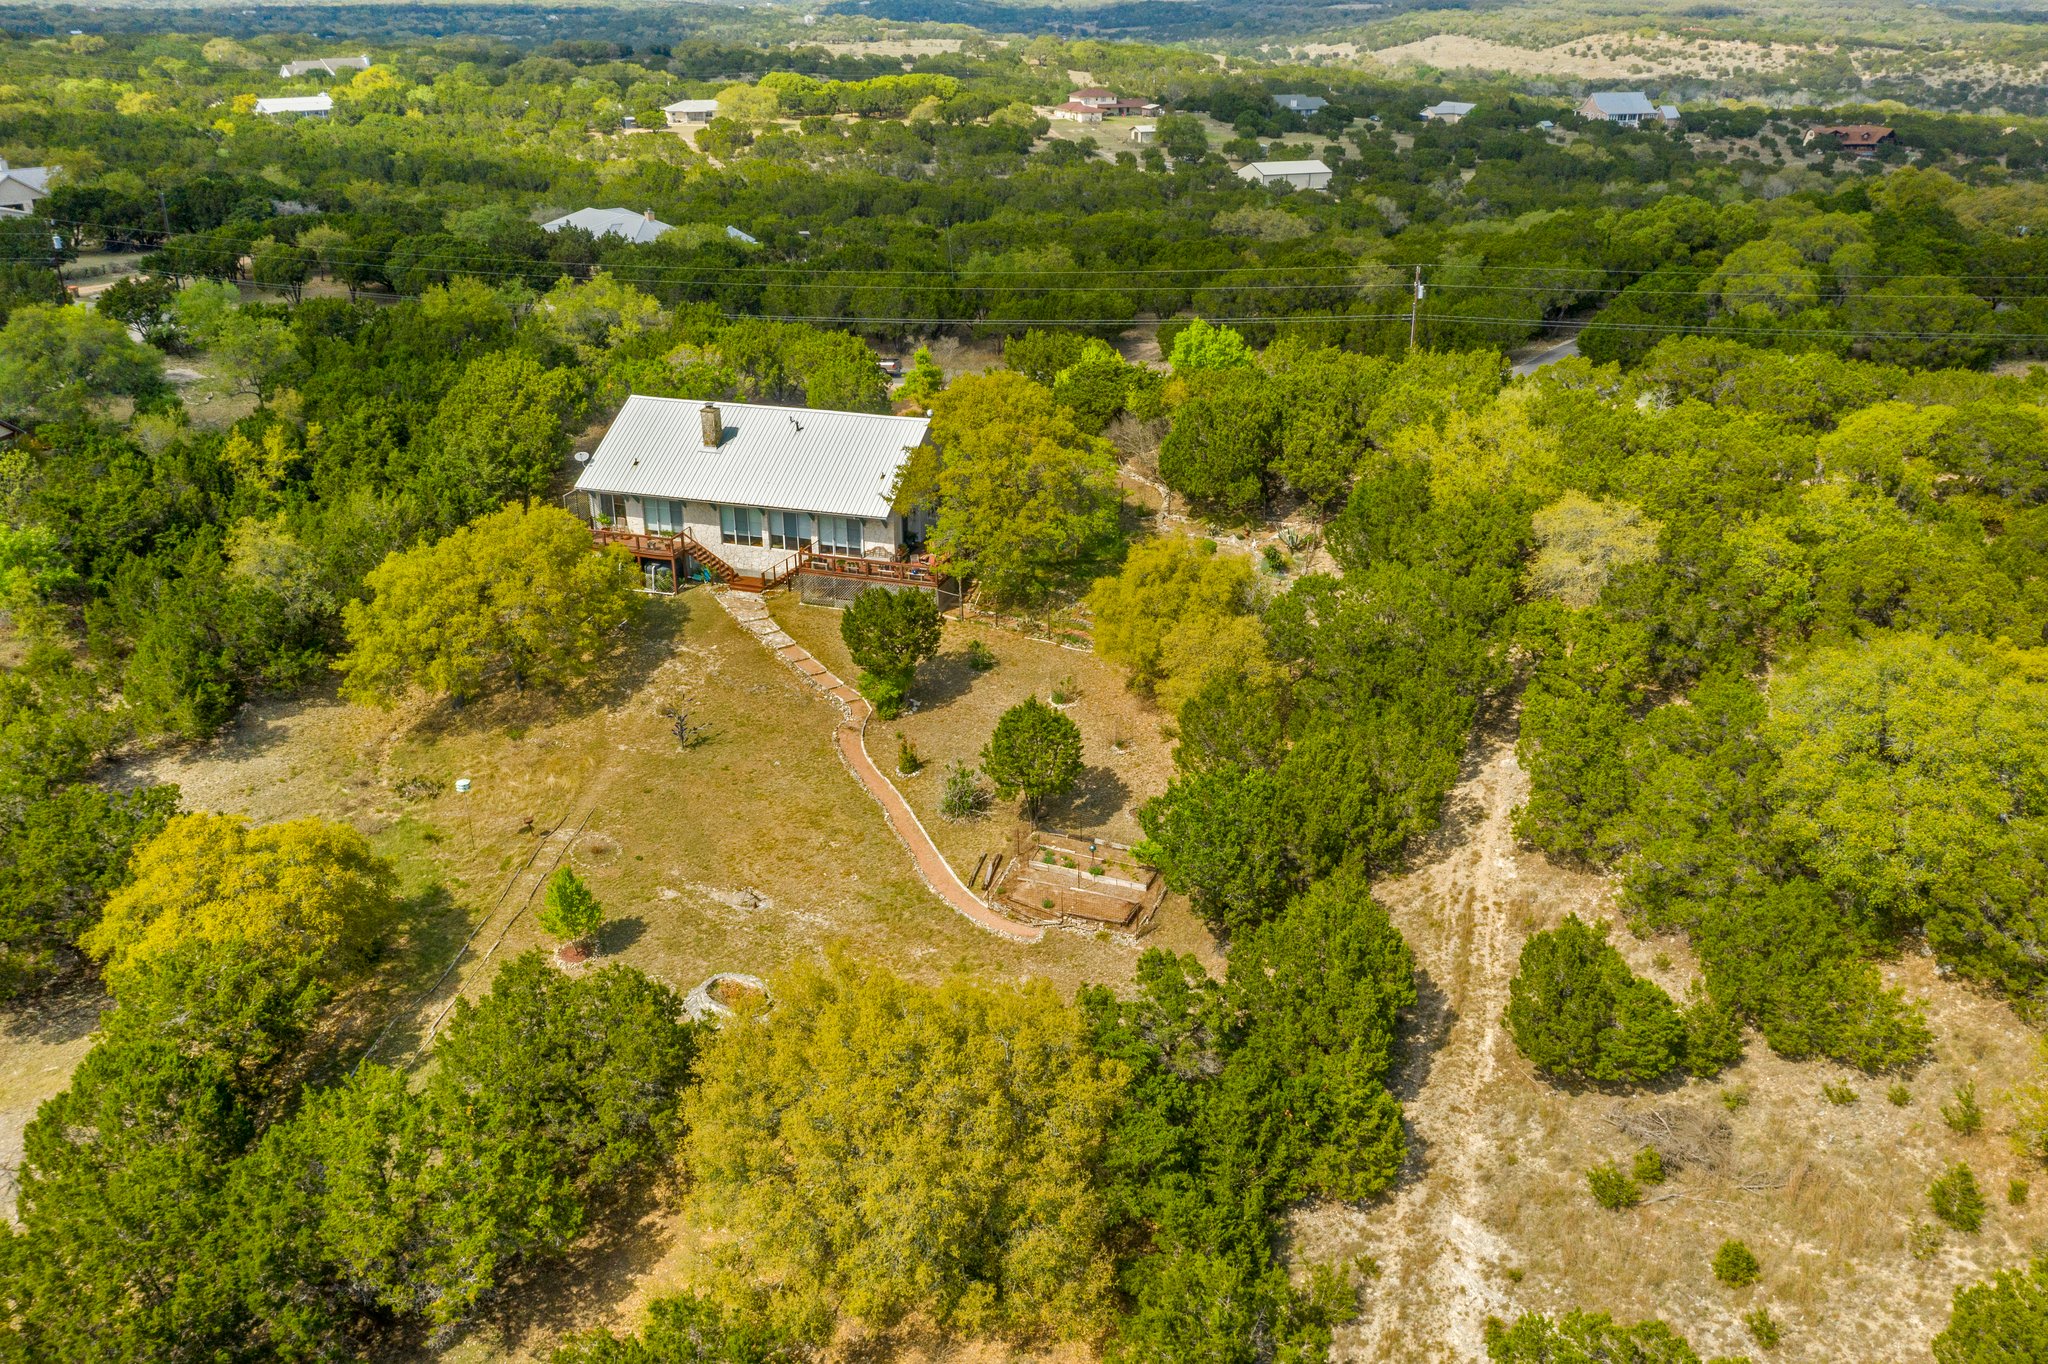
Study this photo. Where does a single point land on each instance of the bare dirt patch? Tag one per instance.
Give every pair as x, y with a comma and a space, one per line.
1493, 1217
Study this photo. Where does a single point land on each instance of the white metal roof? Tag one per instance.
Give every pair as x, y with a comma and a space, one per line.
1449, 108
691, 106
1301, 104
612, 222
296, 104
331, 65
1268, 168
786, 458
1622, 102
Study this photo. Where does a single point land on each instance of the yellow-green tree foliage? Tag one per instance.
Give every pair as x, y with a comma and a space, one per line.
1581, 541
1177, 614
302, 888
517, 597
877, 1147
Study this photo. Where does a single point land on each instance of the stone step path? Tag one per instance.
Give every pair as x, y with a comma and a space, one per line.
850, 738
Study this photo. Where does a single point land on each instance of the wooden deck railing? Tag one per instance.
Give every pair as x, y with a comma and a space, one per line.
920, 570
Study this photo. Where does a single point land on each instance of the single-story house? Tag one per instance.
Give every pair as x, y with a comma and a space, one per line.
622, 223
1448, 111
309, 106
1300, 104
21, 187
1145, 133
1300, 174
741, 488
1074, 111
332, 66
686, 112
1627, 107
1861, 138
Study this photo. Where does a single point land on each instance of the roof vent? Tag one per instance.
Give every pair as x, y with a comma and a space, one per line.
714, 425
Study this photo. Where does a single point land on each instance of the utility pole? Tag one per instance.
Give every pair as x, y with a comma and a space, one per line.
1414, 308
164, 209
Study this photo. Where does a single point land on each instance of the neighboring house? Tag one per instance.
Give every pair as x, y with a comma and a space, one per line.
685, 113
1074, 111
740, 236
622, 223
1299, 174
1300, 104
332, 66
1861, 138
1113, 105
1449, 111
1145, 133
749, 492
1626, 107
306, 106
21, 187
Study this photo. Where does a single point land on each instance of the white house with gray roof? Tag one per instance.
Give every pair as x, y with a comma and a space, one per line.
622, 223
1626, 107
743, 488
21, 187
1298, 174
1447, 111
296, 106
332, 66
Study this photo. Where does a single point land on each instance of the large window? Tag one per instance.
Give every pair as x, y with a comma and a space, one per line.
609, 508
739, 525
789, 530
839, 534
664, 516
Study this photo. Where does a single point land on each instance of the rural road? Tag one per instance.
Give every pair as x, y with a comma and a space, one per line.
1548, 355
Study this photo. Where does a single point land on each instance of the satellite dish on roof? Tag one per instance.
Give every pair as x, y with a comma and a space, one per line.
583, 456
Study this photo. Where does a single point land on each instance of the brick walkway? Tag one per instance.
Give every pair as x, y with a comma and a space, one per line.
752, 614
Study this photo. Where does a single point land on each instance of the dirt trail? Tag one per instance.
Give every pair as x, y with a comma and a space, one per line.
1435, 1247
1439, 1263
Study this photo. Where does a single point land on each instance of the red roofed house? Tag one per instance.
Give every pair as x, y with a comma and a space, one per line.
1861, 138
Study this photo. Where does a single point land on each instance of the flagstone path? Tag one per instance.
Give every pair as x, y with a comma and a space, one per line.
752, 614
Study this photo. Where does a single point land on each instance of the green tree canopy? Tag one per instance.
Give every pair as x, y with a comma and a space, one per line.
517, 597
1035, 752
881, 1147
302, 887
1577, 1011
1022, 497
56, 361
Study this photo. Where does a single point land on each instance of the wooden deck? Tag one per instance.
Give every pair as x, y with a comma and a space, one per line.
680, 548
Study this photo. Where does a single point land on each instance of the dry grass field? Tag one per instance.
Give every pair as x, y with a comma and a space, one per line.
757, 847
1494, 1217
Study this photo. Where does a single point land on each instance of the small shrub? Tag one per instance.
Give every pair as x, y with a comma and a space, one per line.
886, 694
1735, 1098
1924, 1241
963, 796
1513, 1273
1611, 1188
1838, 1094
1649, 1166
980, 657
1956, 1199
1275, 560
569, 911
1962, 1114
1046, 903
907, 761
1899, 1095
2016, 1192
1735, 1264
1762, 1329
1064, 692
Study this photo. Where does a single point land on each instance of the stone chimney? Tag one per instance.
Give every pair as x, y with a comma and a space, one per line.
714, 425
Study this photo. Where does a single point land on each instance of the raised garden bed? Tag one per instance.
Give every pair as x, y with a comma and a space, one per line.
1058, 878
